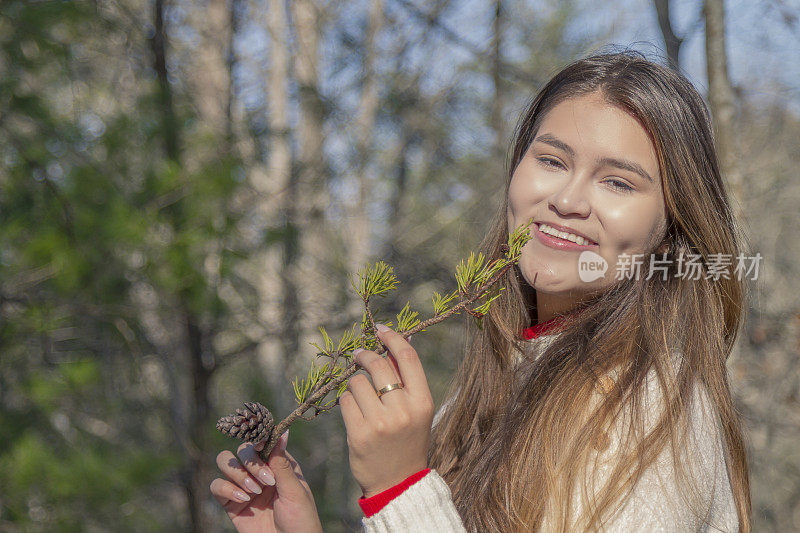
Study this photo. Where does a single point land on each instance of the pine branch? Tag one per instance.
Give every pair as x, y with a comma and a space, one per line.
475, 281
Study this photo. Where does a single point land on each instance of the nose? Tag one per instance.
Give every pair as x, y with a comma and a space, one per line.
571, 198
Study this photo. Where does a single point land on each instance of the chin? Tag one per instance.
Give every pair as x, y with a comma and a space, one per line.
564, 287
550, 282
550, 277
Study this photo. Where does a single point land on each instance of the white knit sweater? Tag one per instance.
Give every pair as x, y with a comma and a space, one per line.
654, 505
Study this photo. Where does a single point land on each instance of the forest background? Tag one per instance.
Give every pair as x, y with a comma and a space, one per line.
185, 187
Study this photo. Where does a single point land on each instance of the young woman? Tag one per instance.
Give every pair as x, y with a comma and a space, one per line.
595, 397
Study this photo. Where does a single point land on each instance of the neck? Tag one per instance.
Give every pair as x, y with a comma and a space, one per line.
549, 306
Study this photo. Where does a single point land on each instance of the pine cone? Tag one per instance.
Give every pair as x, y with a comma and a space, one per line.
252, 424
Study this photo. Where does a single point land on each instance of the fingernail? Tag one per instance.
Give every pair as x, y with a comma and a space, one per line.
252, 486
266, 478
381, 327
241, 496
409, 338
357, 351
284, 440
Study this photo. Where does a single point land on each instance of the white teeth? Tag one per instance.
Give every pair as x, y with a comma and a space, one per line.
544, 228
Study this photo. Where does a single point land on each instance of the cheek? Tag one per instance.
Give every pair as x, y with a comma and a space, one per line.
524, 193
632, 231
514, 206
514, 196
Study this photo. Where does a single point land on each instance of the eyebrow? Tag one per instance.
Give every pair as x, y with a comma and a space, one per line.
623, 164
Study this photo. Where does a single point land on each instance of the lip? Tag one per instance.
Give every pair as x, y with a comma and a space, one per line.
561, 244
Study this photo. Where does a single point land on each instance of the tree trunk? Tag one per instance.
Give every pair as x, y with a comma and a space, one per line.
498, 121
194, 476
209, 73
359, 223
308, 244
723, 112
158, 45
358, 234
672, 42
722, 100
277, 291
311, 281
201, 365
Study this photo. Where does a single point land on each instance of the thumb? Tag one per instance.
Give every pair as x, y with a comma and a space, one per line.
286, 482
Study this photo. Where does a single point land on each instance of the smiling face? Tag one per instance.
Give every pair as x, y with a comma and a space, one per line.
592, 169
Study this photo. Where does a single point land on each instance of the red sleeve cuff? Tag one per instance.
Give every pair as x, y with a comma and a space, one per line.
373, 504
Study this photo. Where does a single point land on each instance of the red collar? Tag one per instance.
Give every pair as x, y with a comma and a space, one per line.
547, 327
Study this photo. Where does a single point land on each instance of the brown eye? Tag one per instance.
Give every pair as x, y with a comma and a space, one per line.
621, 185
549, 162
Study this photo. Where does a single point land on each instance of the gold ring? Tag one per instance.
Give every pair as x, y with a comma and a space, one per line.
387, 388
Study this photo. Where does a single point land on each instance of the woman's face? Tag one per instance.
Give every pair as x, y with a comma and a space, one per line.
592, 170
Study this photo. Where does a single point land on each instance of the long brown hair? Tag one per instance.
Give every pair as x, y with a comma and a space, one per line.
515, 440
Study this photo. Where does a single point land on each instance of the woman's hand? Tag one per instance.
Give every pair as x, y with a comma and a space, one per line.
252, 504
387, 436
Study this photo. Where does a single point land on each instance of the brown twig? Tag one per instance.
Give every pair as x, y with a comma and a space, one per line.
320, 393
262, 419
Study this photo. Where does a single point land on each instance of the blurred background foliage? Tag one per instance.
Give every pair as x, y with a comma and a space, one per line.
186, 186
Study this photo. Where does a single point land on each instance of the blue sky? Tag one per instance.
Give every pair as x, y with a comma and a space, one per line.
762, 47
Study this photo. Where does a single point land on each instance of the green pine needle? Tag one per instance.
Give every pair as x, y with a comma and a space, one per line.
328, 341
349, 341
302, 388
406, 319
342, 388
517, 239
377, 280
440, 302
314, 381
380, 279
467, 272
492, 294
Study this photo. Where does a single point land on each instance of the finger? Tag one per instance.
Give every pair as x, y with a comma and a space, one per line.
233, 470
351, 413
365, 396
286, 482
408, 363
380, 369
254, 464
226, 492
295, 464
390, 357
